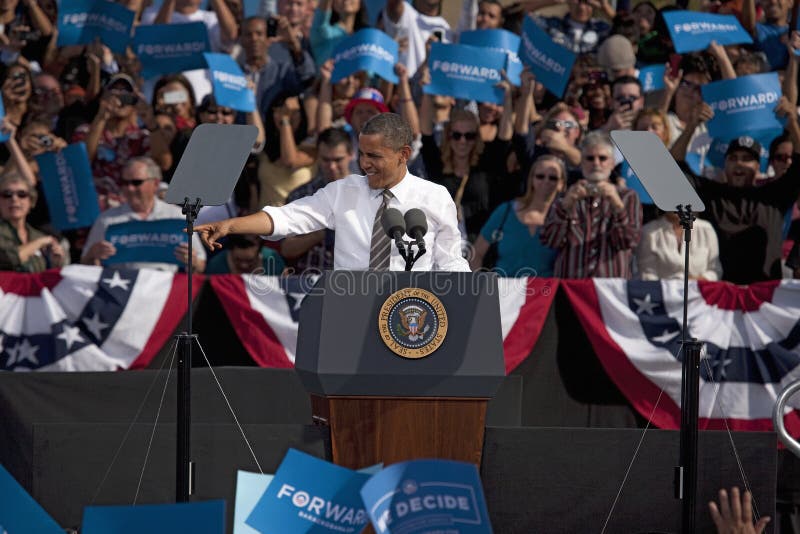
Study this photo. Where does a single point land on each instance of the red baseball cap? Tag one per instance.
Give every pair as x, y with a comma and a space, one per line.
367, 95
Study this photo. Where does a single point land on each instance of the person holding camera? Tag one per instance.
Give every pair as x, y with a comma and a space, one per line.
595, 225
273, 58
114, 137
26, 29
16, 85
626, 102
22, 247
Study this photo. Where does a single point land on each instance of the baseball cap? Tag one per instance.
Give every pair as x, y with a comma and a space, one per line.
616, 53
747, 143
121, 78
367, 95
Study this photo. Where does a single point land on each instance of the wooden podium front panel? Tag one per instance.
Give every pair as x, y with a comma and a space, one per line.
369, 430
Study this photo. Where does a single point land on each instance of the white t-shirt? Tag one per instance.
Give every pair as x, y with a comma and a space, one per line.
199, 78
418, 28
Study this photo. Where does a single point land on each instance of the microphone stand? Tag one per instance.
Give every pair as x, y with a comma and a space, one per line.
406, 249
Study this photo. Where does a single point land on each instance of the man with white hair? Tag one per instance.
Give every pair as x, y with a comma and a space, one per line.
141, 177
595, 225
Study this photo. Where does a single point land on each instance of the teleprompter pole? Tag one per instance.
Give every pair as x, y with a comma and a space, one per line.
686, 472
184, 467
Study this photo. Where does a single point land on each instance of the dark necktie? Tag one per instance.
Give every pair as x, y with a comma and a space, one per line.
380, 251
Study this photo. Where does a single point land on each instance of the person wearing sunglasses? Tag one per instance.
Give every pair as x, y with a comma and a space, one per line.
557, 133
22, 247
595, 225
515, 226
210, 111
140, 180
472, 170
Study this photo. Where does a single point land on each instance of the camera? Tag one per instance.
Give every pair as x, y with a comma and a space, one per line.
591, 188
598, 77
272, 27
626, 102
45, 140
127, 99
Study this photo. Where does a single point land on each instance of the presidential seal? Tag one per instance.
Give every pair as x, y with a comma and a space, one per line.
412, 323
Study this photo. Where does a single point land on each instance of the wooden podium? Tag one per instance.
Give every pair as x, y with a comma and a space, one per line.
387, 395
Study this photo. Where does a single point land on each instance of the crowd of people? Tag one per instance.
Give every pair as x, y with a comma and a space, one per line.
539, 186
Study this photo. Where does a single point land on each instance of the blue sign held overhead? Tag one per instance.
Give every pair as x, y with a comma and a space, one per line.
146, 241
19, 512
425, 496
368, 50
167, 48
83, 21
312, 496
502, 41
206, 517
743, 105
549, 61
692, 30
467, 72
69, 187
652, 78
230, 83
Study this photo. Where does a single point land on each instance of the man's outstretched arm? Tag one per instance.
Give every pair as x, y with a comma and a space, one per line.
259, 223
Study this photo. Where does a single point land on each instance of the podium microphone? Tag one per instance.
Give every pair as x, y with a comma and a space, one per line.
394, 225
417, 227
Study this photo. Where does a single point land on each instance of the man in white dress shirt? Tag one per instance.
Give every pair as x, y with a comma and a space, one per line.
352, 206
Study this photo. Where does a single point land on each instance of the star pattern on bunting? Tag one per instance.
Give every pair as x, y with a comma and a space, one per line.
94, 325
70, 335
645, 305
22, 351
117, 281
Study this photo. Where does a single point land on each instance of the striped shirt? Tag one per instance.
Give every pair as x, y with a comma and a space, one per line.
593, 240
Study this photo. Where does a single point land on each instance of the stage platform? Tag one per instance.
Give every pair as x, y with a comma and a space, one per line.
60, 433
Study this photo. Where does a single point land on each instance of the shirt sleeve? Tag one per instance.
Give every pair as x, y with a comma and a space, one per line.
447, 245
302, 216
646, 259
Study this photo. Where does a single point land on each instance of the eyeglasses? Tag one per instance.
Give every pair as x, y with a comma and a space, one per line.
214, 111
560, 123
134, 183
551, 177
593, 158
19, 193
469, 136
